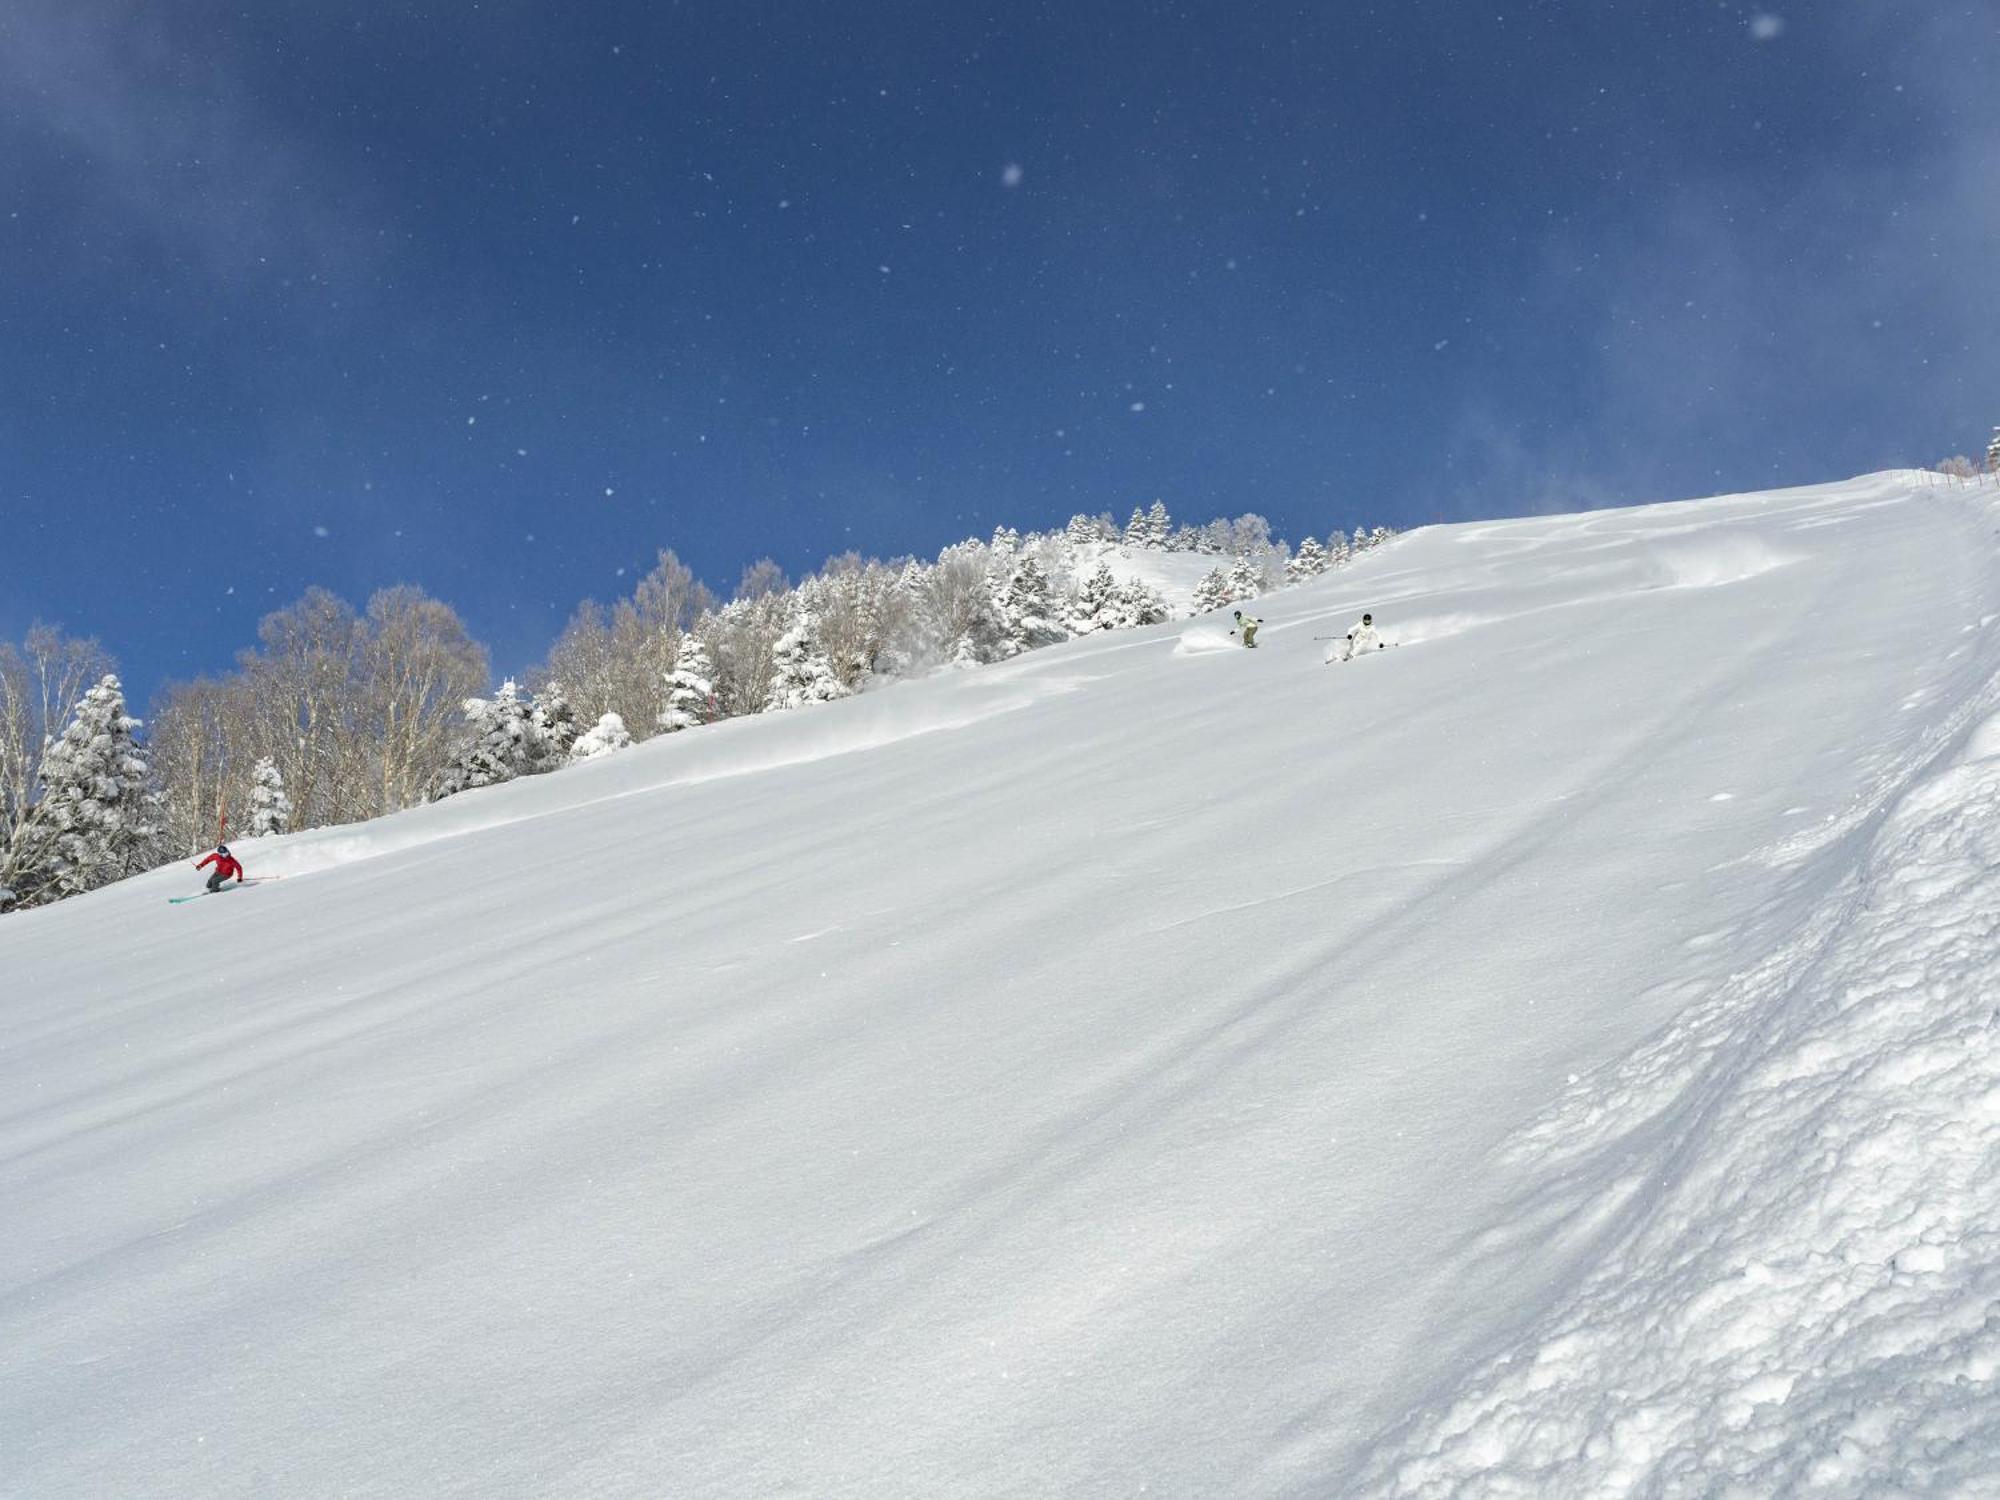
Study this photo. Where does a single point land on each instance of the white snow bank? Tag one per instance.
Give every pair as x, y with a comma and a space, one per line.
1790, 1205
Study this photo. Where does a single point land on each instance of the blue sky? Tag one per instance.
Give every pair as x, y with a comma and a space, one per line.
499, 299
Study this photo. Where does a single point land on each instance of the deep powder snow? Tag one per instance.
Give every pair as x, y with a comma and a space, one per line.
1557, 1057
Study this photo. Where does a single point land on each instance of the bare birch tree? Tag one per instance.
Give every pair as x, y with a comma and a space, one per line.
416, 664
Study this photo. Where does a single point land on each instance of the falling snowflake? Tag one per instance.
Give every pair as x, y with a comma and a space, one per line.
1011, 175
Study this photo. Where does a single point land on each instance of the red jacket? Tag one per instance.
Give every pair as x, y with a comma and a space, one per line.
225, 865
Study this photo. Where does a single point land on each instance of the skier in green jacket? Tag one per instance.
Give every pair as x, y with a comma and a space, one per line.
1249, 628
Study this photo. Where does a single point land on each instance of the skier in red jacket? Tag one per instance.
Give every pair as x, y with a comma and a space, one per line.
225, 866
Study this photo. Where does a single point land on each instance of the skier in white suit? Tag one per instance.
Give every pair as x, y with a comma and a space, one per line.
1363, 637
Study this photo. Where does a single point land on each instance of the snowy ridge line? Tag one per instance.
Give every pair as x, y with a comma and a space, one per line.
1822, 1309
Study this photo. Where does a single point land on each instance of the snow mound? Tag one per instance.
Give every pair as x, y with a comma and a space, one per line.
1807, 1167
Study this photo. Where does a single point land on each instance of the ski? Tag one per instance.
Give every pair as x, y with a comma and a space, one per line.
221, 889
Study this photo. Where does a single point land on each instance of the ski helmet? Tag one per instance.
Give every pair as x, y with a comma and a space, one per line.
1367, 619
221, 848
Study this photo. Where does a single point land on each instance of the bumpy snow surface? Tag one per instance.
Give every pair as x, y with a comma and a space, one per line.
1554, 1056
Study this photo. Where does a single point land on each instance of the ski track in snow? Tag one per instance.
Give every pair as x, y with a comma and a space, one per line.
1560, 1061
1787, 1204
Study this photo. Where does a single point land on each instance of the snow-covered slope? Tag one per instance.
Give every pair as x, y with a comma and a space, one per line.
1555, 1056
1174, 576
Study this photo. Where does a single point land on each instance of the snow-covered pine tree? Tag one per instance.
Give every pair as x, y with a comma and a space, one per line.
94, 816
1096, 605
1139, 603
1308, 562
270, 808
1136, 533
553, 729
1212, 592
1081, 531
1993, 453
1159, 525
1184, 539
1027, 610
494, 747
1006, 539
1379, 535
800, 671
606, 737
1245, 579
690, 688
1338, 549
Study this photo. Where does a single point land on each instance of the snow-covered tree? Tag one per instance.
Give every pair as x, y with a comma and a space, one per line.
1081, 531
94, 816
1212, 592
606, 737
498, 744
1245, 579
1159, 525
1310, 561
961, 615
270, 808
741, 638
1139, 603
964, 655
902, 625
1097, 604
1993, 453
1006, 539
800, 671
1028, 611
1136, 532
690, 688
1249, 535
552, 730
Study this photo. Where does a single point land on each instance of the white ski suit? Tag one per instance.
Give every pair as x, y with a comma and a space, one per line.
1363, 637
